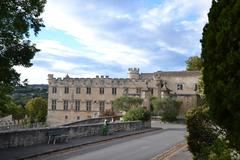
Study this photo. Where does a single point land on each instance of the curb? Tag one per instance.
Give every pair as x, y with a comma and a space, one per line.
170, 152
85, 144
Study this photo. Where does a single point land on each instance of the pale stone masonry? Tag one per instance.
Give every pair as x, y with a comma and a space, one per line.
72, 99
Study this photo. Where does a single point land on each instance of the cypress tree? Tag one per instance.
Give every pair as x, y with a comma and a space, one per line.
221, 66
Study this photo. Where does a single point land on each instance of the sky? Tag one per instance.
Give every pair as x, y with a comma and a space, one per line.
85, 38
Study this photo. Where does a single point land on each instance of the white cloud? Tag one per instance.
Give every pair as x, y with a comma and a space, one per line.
99, 49
179, 24
35, 75
54, 48
160, 20
123, 34
39, 75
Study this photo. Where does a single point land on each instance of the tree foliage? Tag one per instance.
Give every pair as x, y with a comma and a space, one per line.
201, 134
221, 65
17, 18
137, 114
125, 103
37, 109
107, 113
22, 94
11, 108
194, 63
167, 108
206, 140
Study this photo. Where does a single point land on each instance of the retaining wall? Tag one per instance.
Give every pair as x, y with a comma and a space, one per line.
27, 137
93, 120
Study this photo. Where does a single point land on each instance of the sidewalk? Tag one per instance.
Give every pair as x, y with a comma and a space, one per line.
42, 149
177, 152
184, 154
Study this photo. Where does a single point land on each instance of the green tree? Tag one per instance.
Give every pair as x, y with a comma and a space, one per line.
206, 140
167, 108
194, 63
11, 108
221, 66
137, 114
37, 109
201, 135
125, 103
17, 18
107, 113
19, 113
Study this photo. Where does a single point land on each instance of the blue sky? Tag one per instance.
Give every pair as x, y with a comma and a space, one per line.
85, 38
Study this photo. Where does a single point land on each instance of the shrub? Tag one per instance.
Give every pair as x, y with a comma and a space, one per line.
107, 113
135, 114
167, 108
125, 103
218, 150
201, 134
104, 130
206, 140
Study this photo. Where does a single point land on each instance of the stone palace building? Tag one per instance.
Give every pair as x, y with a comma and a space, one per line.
72, 99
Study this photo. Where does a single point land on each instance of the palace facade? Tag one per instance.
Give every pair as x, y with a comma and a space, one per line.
72, 99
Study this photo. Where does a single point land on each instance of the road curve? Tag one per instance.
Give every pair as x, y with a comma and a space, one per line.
134, 148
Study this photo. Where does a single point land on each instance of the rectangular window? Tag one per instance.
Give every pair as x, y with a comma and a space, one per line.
138, 90
151, 91
65, 105
114, 91
78, 90
101, 90
88, 90
77, 105
102, 106
88, 105
54, 104
179, 86
54, 90
195, 87
125, 91
66, 90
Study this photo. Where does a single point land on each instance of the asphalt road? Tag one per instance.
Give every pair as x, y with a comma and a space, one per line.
142, 147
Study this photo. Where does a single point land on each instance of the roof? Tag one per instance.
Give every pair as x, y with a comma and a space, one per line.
179, 73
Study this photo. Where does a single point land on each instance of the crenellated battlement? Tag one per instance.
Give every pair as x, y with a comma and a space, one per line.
133, 70
96, 82
133, 73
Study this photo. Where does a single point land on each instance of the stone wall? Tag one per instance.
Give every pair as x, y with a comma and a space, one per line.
29, 137
93, 120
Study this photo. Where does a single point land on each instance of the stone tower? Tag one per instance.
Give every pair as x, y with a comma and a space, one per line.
50, 78
133, 73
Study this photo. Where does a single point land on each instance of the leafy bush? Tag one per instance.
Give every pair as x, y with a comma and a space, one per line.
201, 134
135, 114
125, 103
167, 108
206, 140
218, 150
107, 113
104, 130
